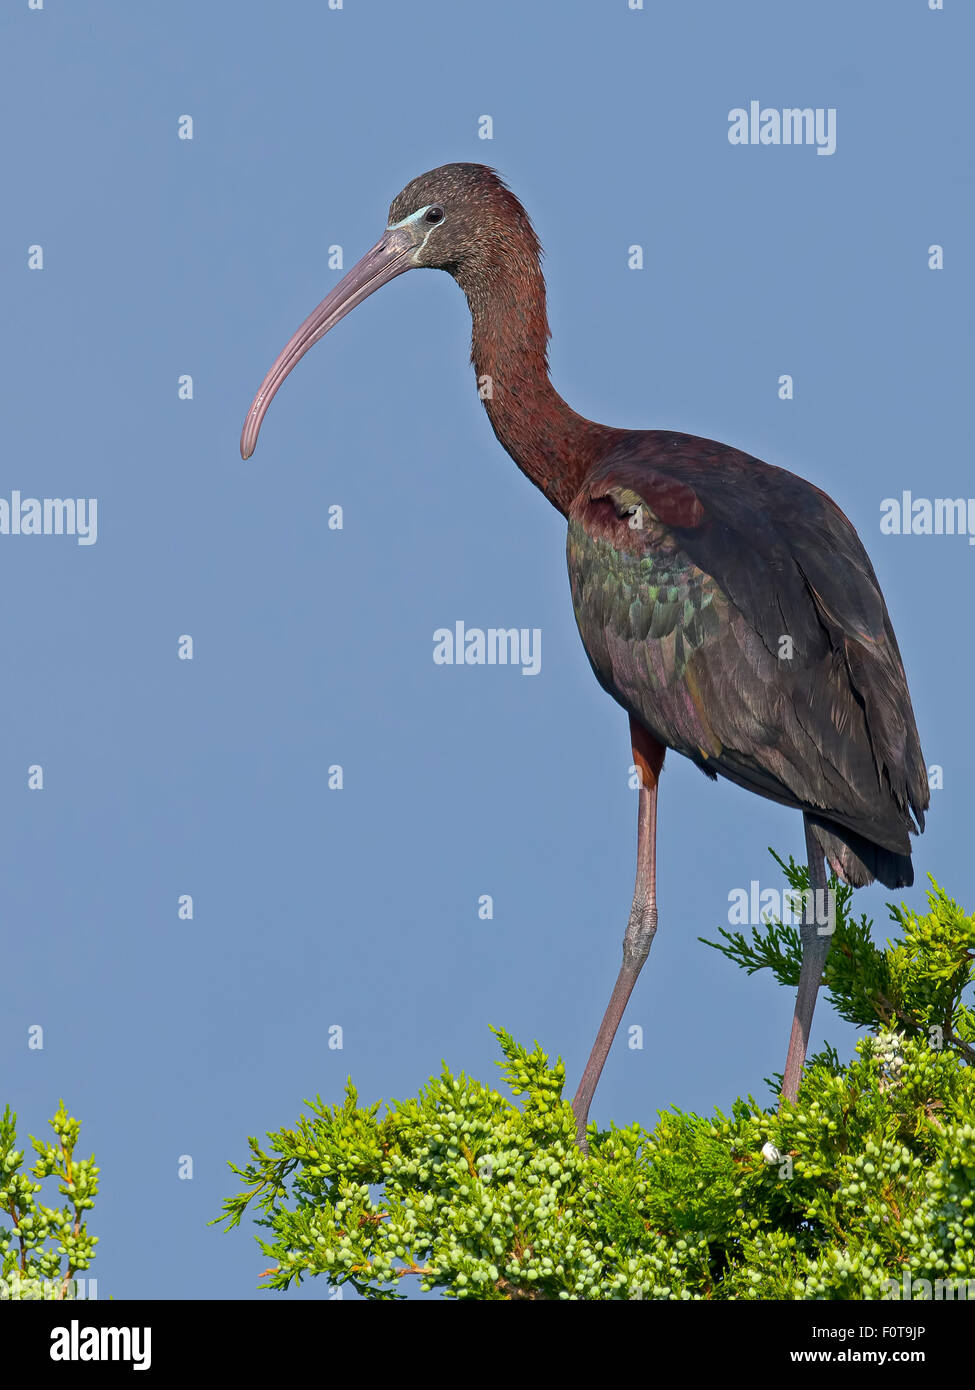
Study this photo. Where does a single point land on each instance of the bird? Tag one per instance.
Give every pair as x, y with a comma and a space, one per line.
726, 604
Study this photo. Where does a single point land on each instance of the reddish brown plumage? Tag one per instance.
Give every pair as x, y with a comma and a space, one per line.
495, 257
727, 605
773, 553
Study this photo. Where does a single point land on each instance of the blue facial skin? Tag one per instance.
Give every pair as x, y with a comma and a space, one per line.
417, 217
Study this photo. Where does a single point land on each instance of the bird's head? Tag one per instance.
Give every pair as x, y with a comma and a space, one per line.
463, 219
460, 218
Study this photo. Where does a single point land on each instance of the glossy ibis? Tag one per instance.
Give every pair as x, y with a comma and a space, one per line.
727, 605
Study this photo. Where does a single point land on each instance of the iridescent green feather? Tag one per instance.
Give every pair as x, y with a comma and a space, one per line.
658, 598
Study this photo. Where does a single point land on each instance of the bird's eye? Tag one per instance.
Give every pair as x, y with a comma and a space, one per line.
434, 214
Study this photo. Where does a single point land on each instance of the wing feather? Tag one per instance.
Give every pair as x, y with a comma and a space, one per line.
732, 608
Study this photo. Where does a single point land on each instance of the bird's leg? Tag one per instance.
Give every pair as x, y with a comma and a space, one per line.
648, 757
816, 940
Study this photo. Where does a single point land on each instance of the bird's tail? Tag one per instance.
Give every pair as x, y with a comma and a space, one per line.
858, 861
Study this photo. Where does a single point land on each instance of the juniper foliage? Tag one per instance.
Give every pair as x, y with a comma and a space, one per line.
44, 1248
868, 1177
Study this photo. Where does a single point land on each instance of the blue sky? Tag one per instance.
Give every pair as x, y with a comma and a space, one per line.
314, 647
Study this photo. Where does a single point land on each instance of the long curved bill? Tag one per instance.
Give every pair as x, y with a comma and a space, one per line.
390, 256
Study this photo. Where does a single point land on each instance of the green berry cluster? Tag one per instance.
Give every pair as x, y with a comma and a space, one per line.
44, 1248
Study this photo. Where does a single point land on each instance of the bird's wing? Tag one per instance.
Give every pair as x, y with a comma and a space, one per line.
731, 607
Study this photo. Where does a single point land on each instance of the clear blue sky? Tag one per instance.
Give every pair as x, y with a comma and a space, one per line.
313, 647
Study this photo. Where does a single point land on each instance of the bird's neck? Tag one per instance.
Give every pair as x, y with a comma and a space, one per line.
548, 441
